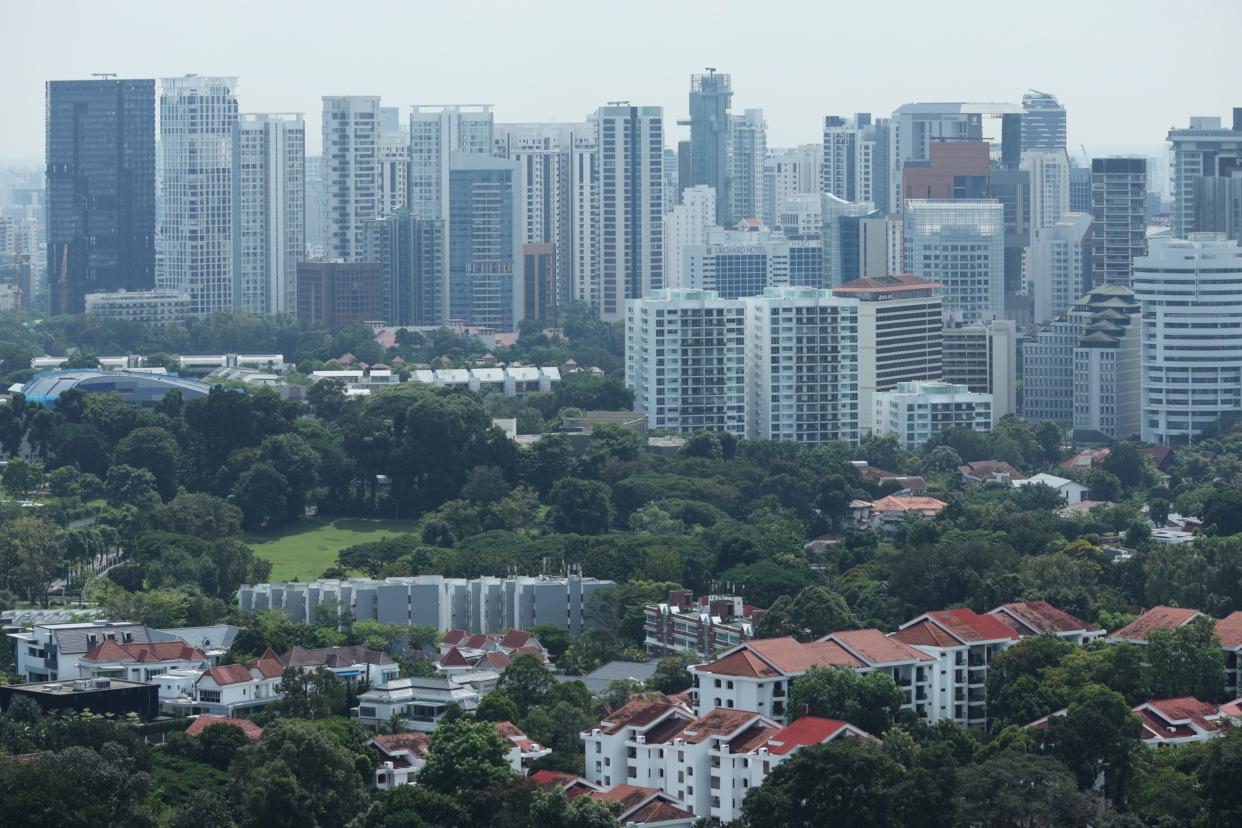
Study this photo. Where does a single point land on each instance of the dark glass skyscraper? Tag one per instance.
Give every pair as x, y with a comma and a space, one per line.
710, 96
100, 189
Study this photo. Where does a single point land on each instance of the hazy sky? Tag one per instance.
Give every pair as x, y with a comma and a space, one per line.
1126, 70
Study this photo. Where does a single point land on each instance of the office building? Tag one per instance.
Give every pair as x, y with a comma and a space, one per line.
849, 159
269, 212
685, 360
333, 293
631, 200
801, 221
922, 125
802, 382
1059, 264
710, 96
686, 225
1190, 292
411, 253
840, 237
748, 148
1043, 122
1218, 204
316, 203
1206, 149
393, 165
952, 170
1107, 376
100, 179
737, 262
1049, 177
485, 281
435, 133
917, 411
483, 605
881, 242
148, 307
900, 334
560, 170
1048, 387
195, 238
983, 356
1119, 217
959, 244
788, 173
351, 173
1080, 189
539, 271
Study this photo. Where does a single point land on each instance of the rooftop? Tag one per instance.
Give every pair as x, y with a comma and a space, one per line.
1036, 617
1156, 618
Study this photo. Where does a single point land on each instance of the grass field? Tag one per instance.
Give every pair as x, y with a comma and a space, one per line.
305, 549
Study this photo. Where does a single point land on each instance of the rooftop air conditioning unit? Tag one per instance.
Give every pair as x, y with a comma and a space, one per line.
79, 686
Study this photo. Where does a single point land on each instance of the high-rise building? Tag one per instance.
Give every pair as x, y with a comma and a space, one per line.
710, 96
1119, 217
1059, 264
881, 243
917, 411
840, 237
1043, 122
788, 173
737, 262
411, 253
801, 220
560, 172
1190, 292
539, 271
1218, 204
269, 212
921, 125
1080, 189
849, 159
394, 166
351, 172
195, 232
333, 293
959, 244
900, 335
484, 232
100, 165
685, 225
435, 133
748, 147
1206, 148
1049, 171
631, 203
685, 359
983, 356
1107, 378
952, 170
806, 392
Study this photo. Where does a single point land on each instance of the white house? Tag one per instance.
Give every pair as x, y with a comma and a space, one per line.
140, 662
402, 755
227, 690
420, 702
1072, 492
350, 663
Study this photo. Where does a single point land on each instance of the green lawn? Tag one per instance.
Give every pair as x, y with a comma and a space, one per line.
302, 551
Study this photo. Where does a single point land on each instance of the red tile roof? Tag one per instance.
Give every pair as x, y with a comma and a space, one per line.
512, 734
146, 652
792, 656
498, 660
1178, 718
1156, 618
269, 666
394, 743
753, 737
655, 812
1229, 630
515, 638
986, 469
926, 634
809, 730
970, 626
874, 647
892, 283
454, 637
1037, 617
228, 674
929, 506
453, 658
636, 713
723, 721
252, 730
740, 663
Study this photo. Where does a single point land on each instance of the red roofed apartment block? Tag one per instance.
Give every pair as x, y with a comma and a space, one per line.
1041, 618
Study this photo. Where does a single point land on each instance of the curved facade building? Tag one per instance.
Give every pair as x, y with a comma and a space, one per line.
1190, 291
135, 387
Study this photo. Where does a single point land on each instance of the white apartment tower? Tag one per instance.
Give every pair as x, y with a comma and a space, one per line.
1107, 375
748, 147
350, 172
195, 228
788, 173
959, 243
802, 384
685, 225
917, 411
631, 205
849, 158
1058, 264
394, 164
1190, 293
1207, 148
436, 131
685, 359
1049, 171
269, 212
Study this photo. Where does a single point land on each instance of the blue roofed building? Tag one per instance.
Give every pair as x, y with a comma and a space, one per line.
141, 388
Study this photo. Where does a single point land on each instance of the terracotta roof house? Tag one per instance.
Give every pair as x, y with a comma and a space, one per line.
201, 723
224, 690
348, 662
887, 513
140, 661
1179, 721
989, 471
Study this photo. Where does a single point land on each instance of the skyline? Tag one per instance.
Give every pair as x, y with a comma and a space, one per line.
1110, 111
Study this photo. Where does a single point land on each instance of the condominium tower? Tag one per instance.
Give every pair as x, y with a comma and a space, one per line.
1119, 217
959, 244
710, 96
350, 172
1043, 122
1206, 149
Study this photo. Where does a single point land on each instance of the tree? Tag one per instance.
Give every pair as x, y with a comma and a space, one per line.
154, 449
294, 460
870, 701
23, 478
1013, 788
464, 757
1218, 775
1098, 734
200, 515
1187, 661
580, 507
671, 675
526, 682
1222, 512
260, 492
496, 707
846, 783
128, 486
299, 773
1014, 684
32, 552
485, 485
705, 444
80, 359
1126, 463
546, 462
310, 694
